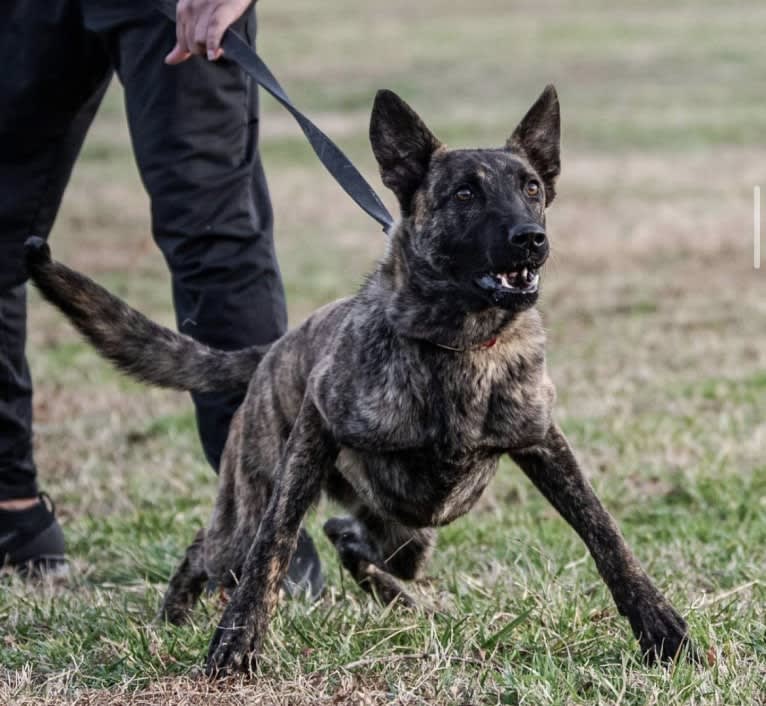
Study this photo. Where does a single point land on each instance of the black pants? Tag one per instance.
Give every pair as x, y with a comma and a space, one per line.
194, 134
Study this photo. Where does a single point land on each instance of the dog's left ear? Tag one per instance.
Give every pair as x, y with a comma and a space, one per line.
402, 144
538, 137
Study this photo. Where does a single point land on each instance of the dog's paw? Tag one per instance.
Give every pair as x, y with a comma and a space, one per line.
662, 634
351, 541
172, 614
362, 559
232, 650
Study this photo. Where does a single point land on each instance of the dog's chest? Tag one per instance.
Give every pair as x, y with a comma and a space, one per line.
423, 452
453, 409
414, 487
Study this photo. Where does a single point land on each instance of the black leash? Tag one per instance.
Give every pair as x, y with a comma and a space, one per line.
330, 155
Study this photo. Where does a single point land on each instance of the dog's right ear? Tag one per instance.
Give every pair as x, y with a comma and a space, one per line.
402, 144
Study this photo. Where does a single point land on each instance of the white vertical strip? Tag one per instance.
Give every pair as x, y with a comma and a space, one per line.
757, 227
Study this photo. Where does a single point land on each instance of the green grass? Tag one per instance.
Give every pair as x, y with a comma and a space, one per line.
525, 618
656, 345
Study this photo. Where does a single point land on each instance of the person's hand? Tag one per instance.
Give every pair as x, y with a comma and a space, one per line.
200, 25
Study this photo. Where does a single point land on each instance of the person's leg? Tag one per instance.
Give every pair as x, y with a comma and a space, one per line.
195, 134
18, 487
194, 130
49, 99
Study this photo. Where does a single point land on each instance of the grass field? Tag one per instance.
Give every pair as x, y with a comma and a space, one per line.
657, 345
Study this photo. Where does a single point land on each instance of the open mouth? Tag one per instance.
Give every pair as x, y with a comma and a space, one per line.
522, 281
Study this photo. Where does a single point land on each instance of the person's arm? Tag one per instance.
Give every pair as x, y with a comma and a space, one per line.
200, 25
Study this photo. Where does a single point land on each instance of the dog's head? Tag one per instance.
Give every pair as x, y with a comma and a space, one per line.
474, 219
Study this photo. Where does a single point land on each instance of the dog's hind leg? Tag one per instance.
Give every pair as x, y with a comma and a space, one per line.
379, 553
187, 583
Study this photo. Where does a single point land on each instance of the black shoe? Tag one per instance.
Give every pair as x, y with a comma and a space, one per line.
31, 541
304, 576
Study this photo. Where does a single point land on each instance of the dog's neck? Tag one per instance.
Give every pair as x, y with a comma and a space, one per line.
421, 305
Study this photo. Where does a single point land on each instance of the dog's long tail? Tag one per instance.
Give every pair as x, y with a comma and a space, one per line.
137, 346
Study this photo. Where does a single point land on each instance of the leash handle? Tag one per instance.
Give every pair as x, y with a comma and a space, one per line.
330, 155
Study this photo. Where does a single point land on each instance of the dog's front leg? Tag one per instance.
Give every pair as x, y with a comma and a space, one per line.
552, 467
308, 454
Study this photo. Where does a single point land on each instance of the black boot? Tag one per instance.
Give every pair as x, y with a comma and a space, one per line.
31, 541
304, 577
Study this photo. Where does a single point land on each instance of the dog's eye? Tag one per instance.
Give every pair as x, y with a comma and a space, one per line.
532, 188
464, 193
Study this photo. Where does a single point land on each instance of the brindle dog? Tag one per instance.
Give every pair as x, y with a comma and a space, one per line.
398, 401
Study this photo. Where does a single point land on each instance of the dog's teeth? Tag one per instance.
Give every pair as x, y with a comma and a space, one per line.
517, 280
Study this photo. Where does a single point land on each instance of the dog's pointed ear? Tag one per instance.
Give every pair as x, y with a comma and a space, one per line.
538, 138
402, 144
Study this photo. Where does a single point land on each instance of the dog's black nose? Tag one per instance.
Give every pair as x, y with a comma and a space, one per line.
529, 236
